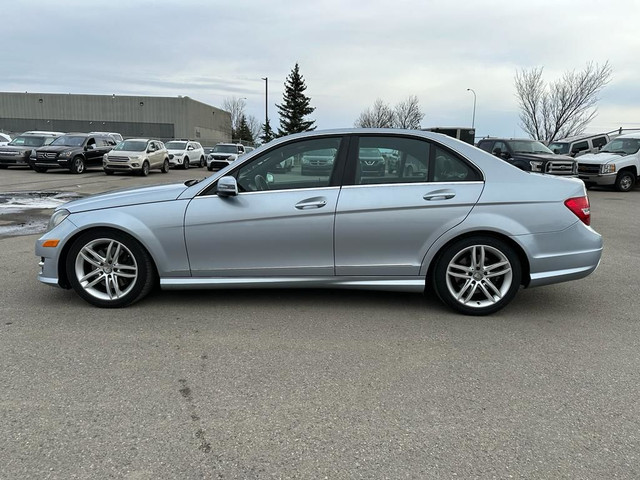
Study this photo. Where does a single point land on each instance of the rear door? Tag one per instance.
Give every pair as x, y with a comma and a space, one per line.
385, 224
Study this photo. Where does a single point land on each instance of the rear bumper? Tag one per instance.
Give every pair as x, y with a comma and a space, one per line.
562, 256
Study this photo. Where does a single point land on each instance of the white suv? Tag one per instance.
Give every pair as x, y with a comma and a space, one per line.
224, 154
184, 153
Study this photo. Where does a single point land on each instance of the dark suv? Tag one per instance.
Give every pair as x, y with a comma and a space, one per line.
529, 155
18, 151
75, 151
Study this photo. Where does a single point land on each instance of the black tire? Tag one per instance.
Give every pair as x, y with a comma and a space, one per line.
40, 169
483, 288
109, 172
185, 163
77, 165
625, 181
165, 166
210, 168
202, 162
132, 259
144, 171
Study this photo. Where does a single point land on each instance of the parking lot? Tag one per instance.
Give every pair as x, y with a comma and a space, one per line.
317, 383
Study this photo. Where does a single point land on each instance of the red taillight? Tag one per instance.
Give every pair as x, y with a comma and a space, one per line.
580, 206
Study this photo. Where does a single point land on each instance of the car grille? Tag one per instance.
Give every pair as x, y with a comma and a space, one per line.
46, 155
221, 157
588, 169
118, 159
560, 168
6, 153
319, 163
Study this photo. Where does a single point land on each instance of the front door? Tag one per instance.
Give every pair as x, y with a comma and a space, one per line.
279, 224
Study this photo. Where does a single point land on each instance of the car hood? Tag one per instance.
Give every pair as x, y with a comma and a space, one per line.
57, 148
125, 197
544, 156
600, 158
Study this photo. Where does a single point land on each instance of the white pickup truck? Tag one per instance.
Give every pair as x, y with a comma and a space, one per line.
617, 164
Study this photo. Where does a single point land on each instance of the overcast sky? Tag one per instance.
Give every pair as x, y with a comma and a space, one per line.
350, 53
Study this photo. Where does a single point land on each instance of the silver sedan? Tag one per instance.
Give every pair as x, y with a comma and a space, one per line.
468, 225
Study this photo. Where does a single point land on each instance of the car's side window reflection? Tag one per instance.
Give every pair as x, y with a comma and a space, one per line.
303, 164
392, 160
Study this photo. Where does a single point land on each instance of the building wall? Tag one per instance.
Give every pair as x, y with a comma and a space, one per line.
132, 116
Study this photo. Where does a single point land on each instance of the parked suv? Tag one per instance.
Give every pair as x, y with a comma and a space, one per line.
75, 151
136, 155
529, 155
224, 154
17, 152
579, 145
184, 153
617, 164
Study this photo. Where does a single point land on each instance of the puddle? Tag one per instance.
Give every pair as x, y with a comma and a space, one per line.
13, 202
26, 213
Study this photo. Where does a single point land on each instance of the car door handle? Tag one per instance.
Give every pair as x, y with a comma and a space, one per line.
308, 204
439, 196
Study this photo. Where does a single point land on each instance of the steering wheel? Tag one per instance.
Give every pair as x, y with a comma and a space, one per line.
261, 183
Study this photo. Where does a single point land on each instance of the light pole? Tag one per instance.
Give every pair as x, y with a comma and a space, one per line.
266, 102
473, 119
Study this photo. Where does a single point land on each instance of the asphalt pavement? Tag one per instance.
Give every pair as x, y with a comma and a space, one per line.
320, 383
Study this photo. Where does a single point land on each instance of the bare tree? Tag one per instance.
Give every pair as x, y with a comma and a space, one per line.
408, 114
379, 116
254, 126
235, 106
563, 108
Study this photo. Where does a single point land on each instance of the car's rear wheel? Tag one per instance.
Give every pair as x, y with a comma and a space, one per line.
625, 181
109, 269
185, 163
77, 165
165, 166
477, 275
144, 171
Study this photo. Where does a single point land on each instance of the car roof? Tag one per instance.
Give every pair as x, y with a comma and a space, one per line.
577, 138
629, 135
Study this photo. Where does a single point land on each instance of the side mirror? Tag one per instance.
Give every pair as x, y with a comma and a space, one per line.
227, 187
497, 152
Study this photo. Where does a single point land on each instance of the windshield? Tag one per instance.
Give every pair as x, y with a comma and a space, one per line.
69, 141
559, 147
176, 145
528, 146
624, 146
28, 141
132, 146
225, 149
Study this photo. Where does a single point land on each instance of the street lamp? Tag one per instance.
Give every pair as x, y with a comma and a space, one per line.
473, 119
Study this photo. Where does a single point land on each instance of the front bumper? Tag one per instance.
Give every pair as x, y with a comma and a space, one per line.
14, 160
604, 179
50, 256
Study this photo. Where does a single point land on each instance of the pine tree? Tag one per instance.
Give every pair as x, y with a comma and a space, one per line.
295, 106
244, 133
267, 132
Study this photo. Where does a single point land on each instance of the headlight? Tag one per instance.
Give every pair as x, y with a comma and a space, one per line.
608, 168
65, 154
178, 154
536, 166
57, 218
135, 158
305, 161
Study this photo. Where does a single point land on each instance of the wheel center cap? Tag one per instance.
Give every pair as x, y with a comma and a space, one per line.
107, 269
477, 276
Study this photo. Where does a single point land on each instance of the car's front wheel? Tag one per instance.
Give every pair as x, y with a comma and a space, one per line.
185, 163
477, 275
109, 268
165, 166
144, 171
202, 162
625, 181
77, 165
